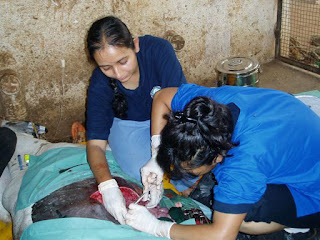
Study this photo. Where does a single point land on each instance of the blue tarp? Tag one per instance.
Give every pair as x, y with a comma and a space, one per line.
43, 176
315, 93
57, 168
81, 229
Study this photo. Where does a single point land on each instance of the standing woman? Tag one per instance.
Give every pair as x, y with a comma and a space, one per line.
262, 146
129, 72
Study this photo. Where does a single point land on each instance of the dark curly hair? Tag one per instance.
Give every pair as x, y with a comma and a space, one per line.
197, 135
110, 31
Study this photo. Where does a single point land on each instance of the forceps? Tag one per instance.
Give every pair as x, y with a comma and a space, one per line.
142, 195
145, 193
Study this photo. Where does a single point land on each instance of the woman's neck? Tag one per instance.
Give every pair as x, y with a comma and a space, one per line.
134, 81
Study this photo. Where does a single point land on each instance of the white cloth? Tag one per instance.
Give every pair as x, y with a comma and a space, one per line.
312, 101
26, 144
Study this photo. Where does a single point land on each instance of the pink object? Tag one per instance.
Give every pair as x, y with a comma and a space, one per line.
178, 204
97, 196
131, 196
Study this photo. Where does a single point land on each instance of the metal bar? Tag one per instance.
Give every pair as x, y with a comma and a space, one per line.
284, 34
277, 31
299, 64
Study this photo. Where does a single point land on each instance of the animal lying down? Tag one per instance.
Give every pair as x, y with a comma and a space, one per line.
81, 199
57, 186
12, 176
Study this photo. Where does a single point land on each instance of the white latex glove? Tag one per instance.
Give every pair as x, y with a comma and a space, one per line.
141, 219
113, 200
152, 176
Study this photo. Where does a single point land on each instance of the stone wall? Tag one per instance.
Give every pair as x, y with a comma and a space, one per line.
44, 70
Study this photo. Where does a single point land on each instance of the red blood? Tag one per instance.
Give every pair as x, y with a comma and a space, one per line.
129, 195
97, 196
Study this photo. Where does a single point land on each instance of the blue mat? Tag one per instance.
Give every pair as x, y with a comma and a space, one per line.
315, 93
84, 229
81, 229
57, 168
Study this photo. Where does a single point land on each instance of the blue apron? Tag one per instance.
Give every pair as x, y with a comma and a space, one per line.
131, 145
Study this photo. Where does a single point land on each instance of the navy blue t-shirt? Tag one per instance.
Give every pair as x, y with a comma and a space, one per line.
158, 66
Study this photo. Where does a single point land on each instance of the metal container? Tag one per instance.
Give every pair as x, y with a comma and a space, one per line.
238, 71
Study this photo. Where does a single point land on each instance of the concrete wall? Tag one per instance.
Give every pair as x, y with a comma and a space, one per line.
44, 72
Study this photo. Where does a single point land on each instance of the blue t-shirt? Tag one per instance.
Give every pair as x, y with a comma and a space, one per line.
159, 67
279, 140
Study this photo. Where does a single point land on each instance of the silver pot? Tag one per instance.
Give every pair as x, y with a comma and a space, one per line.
238, 71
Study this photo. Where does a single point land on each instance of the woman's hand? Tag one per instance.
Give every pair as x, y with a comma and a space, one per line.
141, 219
152, 176
113, 200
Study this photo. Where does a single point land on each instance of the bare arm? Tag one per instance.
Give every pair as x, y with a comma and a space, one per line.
160, 107
97, 160
224, 227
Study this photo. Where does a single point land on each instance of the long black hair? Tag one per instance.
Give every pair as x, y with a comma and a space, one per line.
110, 31
197, 135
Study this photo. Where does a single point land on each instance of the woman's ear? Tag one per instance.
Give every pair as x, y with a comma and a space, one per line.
136, 44
218, 159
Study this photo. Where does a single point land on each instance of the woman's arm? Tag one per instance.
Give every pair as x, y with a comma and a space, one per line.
97, 160
160, 107
224, 227
112, 197
151, 173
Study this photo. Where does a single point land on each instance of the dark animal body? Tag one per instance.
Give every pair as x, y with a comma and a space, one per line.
74, 201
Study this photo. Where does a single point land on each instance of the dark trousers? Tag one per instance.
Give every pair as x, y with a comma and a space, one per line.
277, 205
8, 142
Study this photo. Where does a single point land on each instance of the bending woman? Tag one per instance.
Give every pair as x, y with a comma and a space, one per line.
129, 71
262, 145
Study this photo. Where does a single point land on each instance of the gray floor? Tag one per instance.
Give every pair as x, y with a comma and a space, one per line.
284, 77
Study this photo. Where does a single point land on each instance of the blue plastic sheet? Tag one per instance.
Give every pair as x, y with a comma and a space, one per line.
57, 168
84, 229
62, 166
315, 93
81, 229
